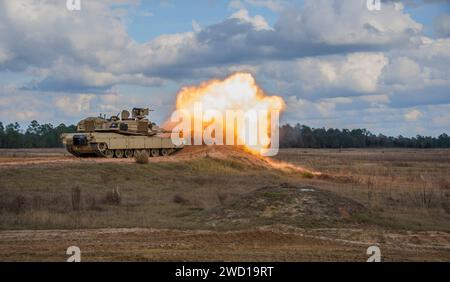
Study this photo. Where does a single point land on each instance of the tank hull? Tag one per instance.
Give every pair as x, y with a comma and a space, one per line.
110, 144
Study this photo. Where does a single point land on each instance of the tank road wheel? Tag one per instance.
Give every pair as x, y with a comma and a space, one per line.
101, 148
154, 152
129, 153
165, 152
109, 153
118, 153
137, 151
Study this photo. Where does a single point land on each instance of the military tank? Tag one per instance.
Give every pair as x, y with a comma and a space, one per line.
119, 137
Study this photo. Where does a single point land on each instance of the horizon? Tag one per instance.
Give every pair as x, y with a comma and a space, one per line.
24, 126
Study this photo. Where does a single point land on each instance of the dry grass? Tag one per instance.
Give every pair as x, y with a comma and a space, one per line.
405, 188
113, 197
180, 200
141, 157
122, 194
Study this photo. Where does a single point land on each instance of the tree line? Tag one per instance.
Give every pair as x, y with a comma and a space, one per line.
302, 136
35, 136
299, 136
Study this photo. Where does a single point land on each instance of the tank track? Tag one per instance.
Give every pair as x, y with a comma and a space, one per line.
120, 153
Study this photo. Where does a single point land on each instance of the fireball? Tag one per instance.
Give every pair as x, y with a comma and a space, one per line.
215, 105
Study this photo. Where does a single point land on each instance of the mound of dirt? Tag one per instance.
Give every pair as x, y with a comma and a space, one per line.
301, 206
235, 153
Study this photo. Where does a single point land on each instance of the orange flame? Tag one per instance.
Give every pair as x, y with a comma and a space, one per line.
238, 92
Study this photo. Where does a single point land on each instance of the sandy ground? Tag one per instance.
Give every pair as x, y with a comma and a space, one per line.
13, 157
261, 244
19, 157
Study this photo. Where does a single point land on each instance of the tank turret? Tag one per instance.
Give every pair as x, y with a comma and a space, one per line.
138, 124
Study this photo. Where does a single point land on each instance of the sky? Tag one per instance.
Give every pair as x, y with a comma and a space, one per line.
336, 63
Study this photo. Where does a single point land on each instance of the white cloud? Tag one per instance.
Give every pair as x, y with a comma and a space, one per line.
359, 72
362, 71
274, 5
4, 55
74, 105
421, 67
403, 70
43, 34
258, 22
325, 108
442, 120
413, 115
381, 98
236, 4
348, 22
339, 100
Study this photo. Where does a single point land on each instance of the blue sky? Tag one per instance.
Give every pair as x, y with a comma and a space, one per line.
335, 63
154, 18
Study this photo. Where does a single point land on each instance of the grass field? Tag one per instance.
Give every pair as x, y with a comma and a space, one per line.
304, 204
406, 188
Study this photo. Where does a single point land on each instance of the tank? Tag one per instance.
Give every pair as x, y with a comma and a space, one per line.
119, 136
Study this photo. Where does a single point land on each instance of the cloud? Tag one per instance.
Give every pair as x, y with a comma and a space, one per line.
430, 120
329, 22
258, 22
442, 25
413, 115
376, 100
415, 75
21, 105
74, 105
418, 75
196, 26
17, 105
274, 5
442, 120
44, 35
236, 4
329, 76
403, 70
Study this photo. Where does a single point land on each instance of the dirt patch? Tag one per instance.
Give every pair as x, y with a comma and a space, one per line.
287, 204
257, 244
